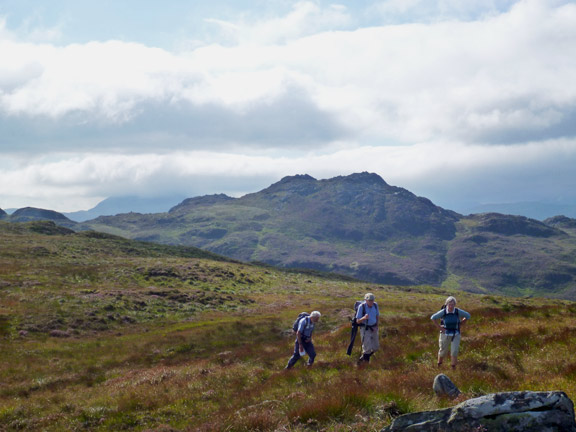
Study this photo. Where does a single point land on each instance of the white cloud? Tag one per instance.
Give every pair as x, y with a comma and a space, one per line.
460, 80
305, 18
422, 168
498, 88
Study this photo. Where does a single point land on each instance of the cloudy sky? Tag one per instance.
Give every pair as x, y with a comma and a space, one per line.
461, 101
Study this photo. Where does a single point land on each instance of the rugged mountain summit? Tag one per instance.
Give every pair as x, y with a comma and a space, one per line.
356, 225
360, 226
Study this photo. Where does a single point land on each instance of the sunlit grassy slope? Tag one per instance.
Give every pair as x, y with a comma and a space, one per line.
98, 333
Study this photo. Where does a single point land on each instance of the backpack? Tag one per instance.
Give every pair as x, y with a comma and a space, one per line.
363, 304
442, 323
301, 316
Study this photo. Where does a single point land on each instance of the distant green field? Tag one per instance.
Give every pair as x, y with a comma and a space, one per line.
105, 334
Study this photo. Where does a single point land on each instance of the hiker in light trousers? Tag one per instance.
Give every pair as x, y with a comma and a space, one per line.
367, 318
449, 319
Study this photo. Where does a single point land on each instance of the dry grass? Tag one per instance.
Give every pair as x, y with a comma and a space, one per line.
228, 375
187, 366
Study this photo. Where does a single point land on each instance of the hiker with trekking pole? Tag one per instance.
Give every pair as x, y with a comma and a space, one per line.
449, 320
304, 326
366, 320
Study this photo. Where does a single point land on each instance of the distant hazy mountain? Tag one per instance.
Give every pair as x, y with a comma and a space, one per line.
534, 210
362, 227
127, 204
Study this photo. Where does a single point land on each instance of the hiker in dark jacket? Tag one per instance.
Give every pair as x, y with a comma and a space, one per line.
449, 320
367, 318
303, 344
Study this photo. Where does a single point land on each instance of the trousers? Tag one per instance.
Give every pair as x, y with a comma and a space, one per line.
308, 347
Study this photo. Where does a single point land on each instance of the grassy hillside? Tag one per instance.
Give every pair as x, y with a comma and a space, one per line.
100, 333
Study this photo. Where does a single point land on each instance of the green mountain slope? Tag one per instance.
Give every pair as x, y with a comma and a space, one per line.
512, 255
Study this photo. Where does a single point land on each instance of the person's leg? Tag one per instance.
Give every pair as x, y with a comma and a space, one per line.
371, 343
295, 356
454, 349
309, 347
443, 347
363, 357
374, 340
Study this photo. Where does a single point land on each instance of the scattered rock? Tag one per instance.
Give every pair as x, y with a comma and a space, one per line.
444, 387
522, 411
59, 333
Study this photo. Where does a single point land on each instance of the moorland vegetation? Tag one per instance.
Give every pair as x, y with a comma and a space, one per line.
102, 333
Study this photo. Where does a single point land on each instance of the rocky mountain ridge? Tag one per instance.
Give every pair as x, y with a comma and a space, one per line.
360, 226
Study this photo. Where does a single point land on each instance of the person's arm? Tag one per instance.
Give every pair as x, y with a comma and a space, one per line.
301, 335
465, 316
437, 324
359, 317
436, 320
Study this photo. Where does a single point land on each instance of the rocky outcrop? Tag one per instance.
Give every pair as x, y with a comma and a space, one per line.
561, 222
499, 412
509, 225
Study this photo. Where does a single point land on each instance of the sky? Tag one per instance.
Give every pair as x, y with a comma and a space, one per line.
461, 101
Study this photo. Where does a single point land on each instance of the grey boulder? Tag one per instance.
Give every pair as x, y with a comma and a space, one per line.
443, 386
499, 412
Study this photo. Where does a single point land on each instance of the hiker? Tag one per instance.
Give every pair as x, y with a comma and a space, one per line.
303, 344
449, 319
367, 317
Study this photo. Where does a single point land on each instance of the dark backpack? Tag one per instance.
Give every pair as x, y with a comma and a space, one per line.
301, 316
442, 323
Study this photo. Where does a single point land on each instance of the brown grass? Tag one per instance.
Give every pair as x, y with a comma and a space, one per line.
178, 364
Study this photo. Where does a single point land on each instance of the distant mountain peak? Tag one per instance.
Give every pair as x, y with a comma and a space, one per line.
301, 184
205, 200
363, 177
305, 184
297, 178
